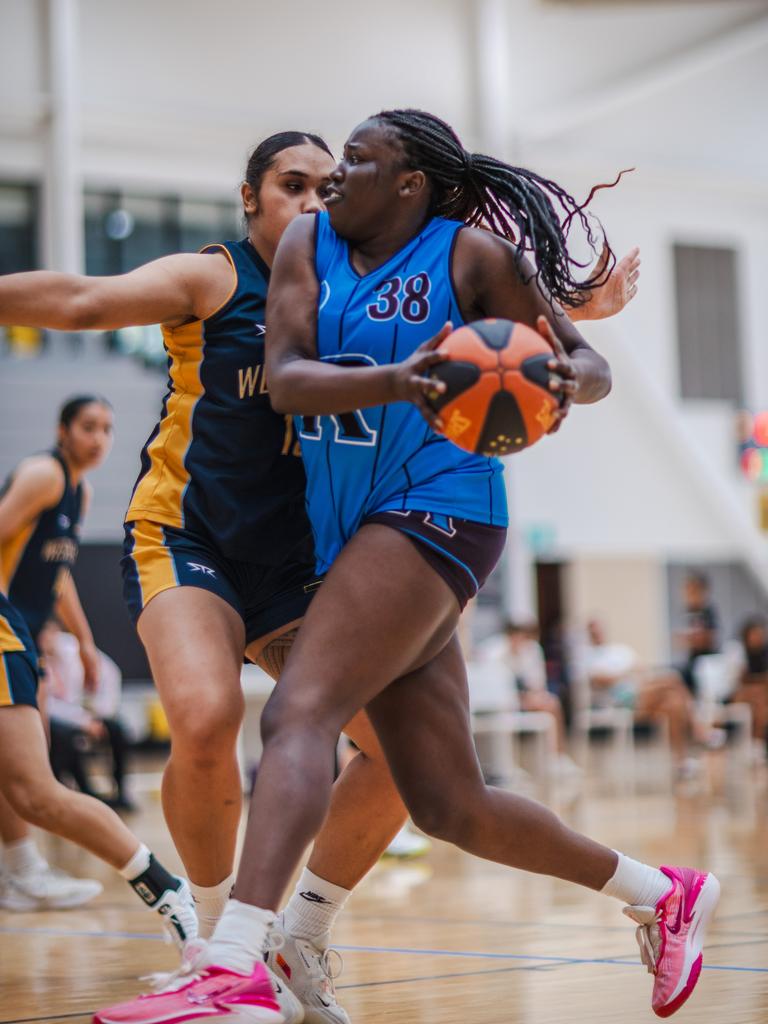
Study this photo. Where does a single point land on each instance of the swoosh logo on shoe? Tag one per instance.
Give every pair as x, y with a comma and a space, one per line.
675, 929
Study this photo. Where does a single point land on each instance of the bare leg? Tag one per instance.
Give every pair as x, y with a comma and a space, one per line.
366, 813
12, 827
366, 810
380, 586
30, 788
666, 699
756, 695
423, 723
194, 641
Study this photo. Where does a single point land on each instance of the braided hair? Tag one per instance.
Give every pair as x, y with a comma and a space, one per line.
512, 202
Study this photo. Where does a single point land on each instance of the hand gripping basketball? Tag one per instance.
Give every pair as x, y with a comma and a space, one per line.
563, 379
410, 380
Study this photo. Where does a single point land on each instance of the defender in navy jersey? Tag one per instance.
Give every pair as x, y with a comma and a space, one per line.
381, 631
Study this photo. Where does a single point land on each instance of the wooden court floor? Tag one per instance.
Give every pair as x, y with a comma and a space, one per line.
451, 940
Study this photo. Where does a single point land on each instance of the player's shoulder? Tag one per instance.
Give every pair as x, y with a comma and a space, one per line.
41, 475
199, 267
479, 244
480, 257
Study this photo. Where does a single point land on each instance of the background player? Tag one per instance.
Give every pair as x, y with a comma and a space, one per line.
40, 507
40, 514
369, 286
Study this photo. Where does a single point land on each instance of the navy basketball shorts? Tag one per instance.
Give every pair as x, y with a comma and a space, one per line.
19, 668
266, 597
463, 552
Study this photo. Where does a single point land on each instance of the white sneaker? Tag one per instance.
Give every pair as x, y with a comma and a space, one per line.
46, 888
176, 908
408, 844
306, 971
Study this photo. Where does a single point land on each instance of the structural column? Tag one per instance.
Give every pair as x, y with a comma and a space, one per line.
496, 136
63, 232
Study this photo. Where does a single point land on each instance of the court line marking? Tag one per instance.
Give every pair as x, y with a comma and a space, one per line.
60, 1016
621, 962
470, 954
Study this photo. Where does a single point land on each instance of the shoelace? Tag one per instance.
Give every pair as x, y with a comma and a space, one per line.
647, 934
275, 942
194, 959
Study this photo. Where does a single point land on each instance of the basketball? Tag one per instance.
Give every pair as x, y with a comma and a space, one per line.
497, 399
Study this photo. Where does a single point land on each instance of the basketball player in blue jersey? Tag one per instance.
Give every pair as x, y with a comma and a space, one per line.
41, 508
408, 527
217, 556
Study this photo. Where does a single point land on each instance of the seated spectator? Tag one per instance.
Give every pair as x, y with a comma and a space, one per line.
519, 650
616, 679
80, 720
752, 678
699, 635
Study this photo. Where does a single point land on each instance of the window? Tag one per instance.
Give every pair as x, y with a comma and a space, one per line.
709, 339
122, 231
18, 228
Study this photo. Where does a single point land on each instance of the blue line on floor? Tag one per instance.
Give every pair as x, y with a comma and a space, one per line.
471, 954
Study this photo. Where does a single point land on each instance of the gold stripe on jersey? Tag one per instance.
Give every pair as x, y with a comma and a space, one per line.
5, 685
11, 552
153, 560
8, 639
159, 495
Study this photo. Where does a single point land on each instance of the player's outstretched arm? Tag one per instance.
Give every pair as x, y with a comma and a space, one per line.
169, 290
299, 382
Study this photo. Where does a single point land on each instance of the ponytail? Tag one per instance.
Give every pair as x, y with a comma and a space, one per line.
513, 203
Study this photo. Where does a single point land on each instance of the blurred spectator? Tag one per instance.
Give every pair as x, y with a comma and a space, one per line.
657, 695
79, 720
519, 650
752, 676
699, 635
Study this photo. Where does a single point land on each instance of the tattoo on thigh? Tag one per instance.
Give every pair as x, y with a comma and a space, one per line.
272, 658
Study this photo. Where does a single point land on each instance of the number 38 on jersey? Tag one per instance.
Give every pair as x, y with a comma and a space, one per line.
408, 298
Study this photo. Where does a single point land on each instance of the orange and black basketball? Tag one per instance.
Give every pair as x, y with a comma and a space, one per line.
497, 400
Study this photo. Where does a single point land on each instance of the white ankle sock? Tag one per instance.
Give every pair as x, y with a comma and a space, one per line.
210, 901
22, 857
637, 884
240, 936
313, 908
137, 865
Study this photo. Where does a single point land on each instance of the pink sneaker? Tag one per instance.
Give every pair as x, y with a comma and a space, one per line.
671, 935
214, 994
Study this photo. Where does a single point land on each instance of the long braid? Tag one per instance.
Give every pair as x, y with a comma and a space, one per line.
512, 202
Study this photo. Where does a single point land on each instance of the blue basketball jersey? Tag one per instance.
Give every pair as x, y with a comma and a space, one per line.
387, 458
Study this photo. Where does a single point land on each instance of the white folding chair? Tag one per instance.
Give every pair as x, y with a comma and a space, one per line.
715, 677
497, 721
617, 722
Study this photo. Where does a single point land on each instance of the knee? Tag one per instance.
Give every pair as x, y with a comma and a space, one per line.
294, 710
37, 802
207, 731
441, 818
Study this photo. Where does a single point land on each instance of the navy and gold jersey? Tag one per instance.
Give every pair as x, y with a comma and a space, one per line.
387, 458
19, 670
221, 463
36, 560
